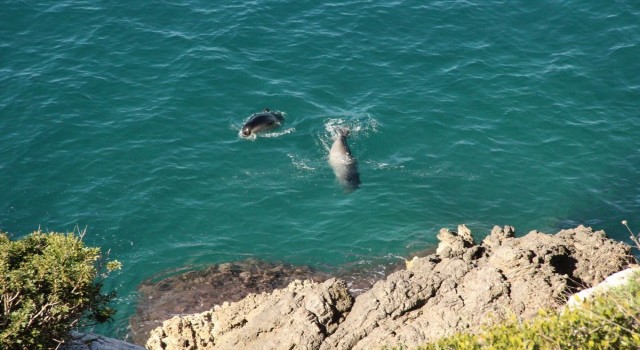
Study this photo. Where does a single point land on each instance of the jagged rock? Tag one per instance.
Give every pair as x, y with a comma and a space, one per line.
511, 276
460, 288
596, 255
498, 234
454, 243
299, 316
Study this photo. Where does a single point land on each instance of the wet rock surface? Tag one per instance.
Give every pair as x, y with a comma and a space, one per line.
460, 288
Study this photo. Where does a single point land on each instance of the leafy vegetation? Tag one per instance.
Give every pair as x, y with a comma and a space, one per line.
50, 283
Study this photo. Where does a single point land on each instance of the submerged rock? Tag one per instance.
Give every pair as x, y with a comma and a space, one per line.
92, 341
461, 288
198, 291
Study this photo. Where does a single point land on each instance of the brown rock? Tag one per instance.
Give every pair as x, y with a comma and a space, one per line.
299, 316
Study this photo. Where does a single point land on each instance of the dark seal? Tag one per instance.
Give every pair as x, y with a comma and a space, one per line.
263, 121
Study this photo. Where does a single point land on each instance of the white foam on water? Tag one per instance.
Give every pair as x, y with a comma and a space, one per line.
358, 127
300, 163
277, 133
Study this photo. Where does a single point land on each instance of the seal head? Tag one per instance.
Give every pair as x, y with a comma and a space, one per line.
263, 121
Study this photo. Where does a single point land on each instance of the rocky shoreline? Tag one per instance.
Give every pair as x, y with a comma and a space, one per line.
461, 287
165, 296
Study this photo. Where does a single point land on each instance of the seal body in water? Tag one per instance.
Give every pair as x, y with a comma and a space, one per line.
343, 163
263, 121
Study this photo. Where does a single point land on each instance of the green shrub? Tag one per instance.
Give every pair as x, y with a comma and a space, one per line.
49, 283
608, 321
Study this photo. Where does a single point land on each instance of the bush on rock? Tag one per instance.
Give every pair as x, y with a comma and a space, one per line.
50, 283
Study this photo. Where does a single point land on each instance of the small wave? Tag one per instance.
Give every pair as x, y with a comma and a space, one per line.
278, 133
446, 171
299, 163
358, 128
384, 166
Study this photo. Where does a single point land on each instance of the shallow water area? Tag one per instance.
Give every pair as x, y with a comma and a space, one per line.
124, 118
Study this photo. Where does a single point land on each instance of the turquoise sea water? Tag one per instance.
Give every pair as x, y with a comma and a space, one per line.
123, 117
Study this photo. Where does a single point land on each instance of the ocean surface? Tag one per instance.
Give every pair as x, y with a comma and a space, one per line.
122, 117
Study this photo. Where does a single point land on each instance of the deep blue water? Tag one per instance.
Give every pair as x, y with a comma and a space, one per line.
123, 117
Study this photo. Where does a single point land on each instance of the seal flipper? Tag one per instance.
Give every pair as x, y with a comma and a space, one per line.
278, 115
